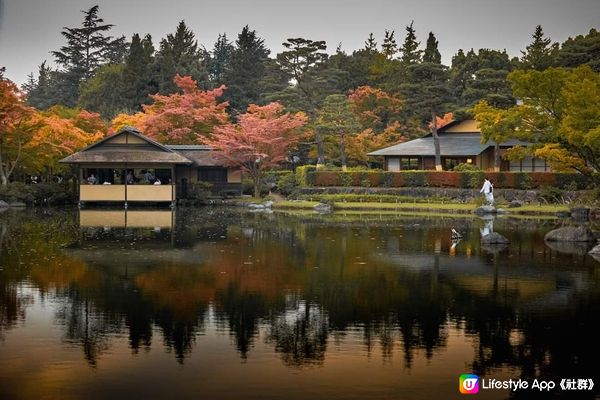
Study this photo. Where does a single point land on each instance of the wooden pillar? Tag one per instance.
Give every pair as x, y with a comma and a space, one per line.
172, 186
125, 186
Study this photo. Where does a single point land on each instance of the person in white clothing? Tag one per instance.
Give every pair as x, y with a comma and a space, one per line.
487, 189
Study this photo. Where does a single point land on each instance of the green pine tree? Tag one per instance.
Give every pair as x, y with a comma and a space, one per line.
410, 48
220, 60
179, 54
88, 48
581, 50
432, 54
245, 71
541, 53
389, 48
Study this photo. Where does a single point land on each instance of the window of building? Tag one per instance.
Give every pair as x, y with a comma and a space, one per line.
212, 174
407, 163
539, 165
450, 163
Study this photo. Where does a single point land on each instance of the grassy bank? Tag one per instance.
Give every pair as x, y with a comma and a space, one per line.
450, 208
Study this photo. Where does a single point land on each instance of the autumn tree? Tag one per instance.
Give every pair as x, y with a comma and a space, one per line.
497, 125
377, 113
337, 120
13, 136
259, 141
58, 132
560, 115
179, 118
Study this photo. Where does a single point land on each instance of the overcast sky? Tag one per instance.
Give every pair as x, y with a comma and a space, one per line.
30, 29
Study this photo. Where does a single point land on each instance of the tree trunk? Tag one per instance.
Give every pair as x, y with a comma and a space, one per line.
320, 148
436, 143
497, 157
3, 177
343, 152
256, 188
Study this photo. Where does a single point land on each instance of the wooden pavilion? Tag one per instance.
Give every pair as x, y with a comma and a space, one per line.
130, 167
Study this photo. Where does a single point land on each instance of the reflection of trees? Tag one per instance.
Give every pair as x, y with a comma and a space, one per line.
304, 283
242, 311
300, 333
543, 345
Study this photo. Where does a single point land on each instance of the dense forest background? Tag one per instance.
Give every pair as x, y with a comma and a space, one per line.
393, 89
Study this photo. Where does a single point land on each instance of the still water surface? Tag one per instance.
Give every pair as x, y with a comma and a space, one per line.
216, 303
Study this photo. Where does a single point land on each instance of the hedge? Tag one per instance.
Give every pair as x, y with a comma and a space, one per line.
309, 176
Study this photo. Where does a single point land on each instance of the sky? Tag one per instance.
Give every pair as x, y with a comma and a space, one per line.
30, 29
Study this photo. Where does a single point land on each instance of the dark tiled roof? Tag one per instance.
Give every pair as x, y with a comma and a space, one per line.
178, 147
121, 156
201, 157
464, 144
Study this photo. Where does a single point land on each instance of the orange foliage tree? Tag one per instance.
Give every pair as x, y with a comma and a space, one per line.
13, 113
58, 132
179, 118
378, 113
260, 140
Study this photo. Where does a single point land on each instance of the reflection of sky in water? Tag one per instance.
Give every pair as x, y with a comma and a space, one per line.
229, 305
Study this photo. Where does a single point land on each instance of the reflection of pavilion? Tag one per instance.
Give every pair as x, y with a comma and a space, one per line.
127, 218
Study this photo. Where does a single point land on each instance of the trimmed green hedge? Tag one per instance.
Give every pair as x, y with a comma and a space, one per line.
309, 176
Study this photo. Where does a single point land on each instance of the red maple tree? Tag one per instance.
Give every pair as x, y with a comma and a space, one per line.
179, 118
260, 140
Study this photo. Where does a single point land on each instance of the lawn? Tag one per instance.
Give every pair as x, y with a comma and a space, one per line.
464, 208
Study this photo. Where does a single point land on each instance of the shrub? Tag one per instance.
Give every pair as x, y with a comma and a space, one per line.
287, 184
550, 194
415, 178
50, 193
200, 190
305, 175
345, 179
462, 167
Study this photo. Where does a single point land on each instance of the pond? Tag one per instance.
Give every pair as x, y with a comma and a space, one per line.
223, 304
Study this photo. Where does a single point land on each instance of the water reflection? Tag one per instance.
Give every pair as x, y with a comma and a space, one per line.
301, 288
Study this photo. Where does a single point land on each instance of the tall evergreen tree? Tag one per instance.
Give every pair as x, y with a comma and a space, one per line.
580, 50
138, 75
88, 47
432, 54
246, 69
410, 48
337, 120
541, 53
40, 95
481, 76
179, 54
220, 60
370, 43
303, 61
389, 48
